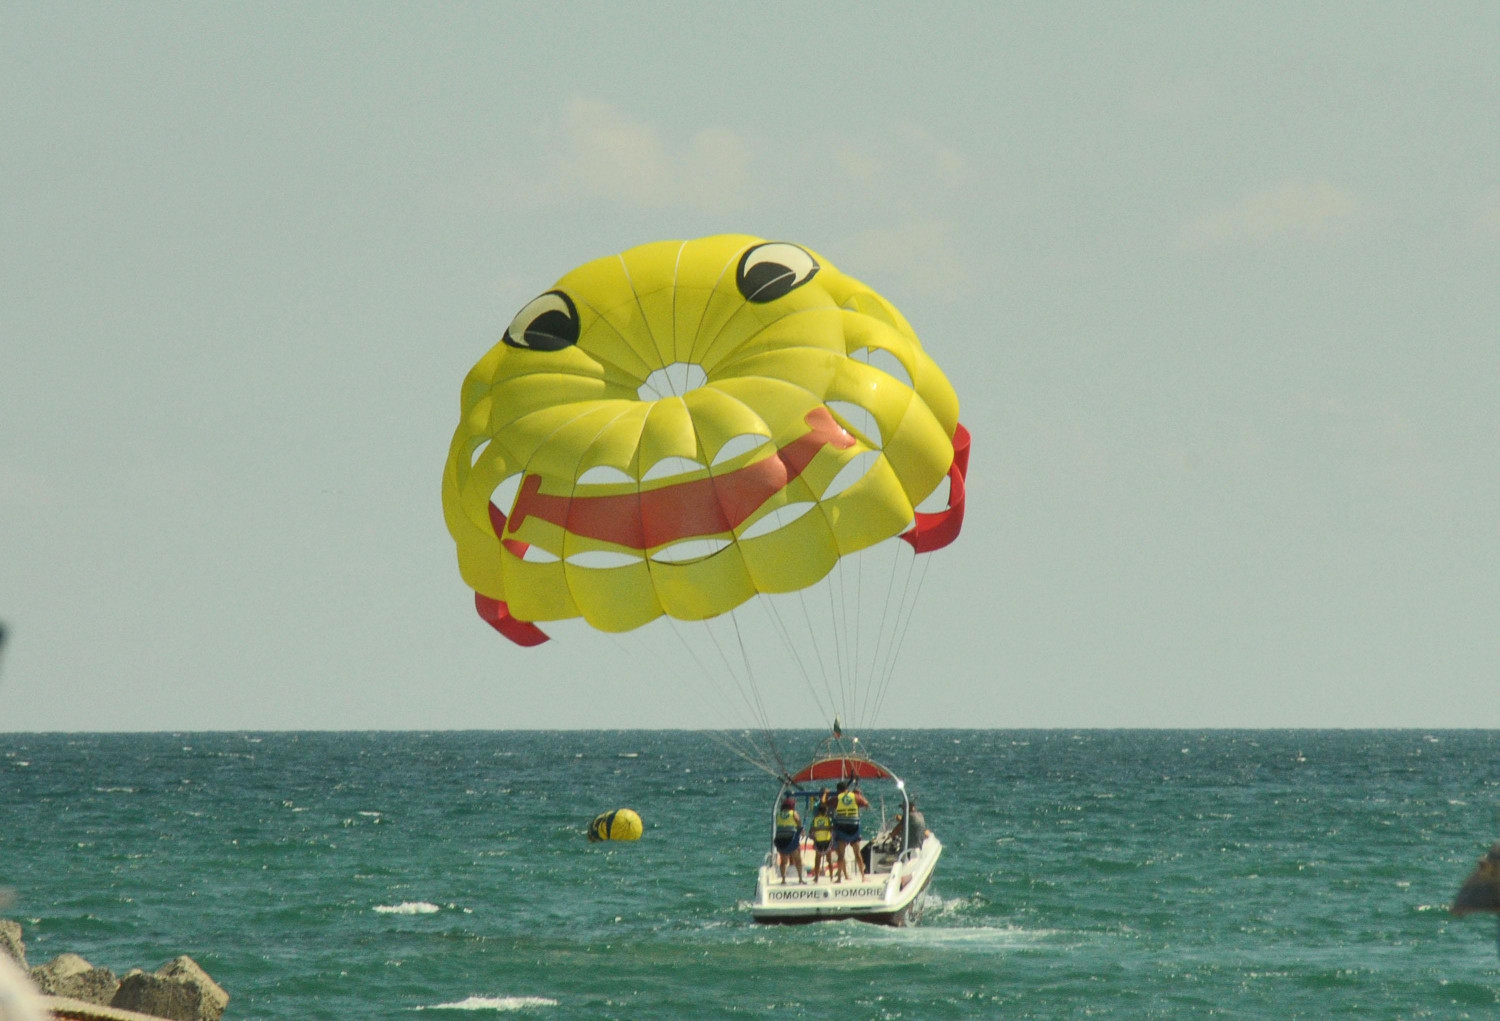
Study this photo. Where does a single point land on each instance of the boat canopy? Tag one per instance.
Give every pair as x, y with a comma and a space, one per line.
841, 767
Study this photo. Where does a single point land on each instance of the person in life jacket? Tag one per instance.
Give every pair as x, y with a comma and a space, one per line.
788, 839
821, 831
846, 805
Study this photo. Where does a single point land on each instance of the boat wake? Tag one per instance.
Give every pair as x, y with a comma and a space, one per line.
496, 1003
983, 938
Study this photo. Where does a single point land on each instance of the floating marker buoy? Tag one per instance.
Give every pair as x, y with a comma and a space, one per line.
621, 824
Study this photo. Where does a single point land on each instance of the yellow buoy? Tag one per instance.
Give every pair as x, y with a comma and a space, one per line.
621, 824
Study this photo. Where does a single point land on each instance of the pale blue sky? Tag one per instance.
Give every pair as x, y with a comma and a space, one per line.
1218, 285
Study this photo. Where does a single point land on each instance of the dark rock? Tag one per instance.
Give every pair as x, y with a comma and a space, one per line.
179, 990
11, 944
71, 976
1481, 891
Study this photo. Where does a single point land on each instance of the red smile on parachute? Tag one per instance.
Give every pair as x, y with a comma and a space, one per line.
684, 510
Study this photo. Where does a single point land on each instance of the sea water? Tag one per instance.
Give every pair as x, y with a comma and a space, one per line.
1120, 874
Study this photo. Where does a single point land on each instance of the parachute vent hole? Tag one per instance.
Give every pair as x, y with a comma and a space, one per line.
735, 446
536, 555
504, 495
859, 421
672, 381
880, 358
669, 467
602, 560
778, 518
603, 474
849, 474
937, 500
478, 452
689, 550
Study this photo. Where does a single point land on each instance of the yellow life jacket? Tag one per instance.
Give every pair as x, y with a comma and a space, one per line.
787, 823
847, 807
822, 827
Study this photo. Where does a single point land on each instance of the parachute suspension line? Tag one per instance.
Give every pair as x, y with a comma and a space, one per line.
817, 650
709, 674
889, 621
769, 605
858, 646
759, 764
838, 651
750, 676
905, 627
904, 604
750, 699
846, 634
749, 693
851, 655
847, 629
639, 654
864, 662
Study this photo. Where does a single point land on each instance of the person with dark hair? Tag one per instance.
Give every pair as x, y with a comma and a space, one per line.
788, 839
908, 829
821, 831
918, 829
846, 805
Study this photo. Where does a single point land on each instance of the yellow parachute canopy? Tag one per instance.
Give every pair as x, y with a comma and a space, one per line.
621, 824
679, 427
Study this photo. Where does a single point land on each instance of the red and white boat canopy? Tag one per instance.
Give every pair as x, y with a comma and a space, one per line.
842, 767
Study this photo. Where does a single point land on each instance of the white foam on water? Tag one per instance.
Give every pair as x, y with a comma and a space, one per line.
494, 1003
408, 907
993, 939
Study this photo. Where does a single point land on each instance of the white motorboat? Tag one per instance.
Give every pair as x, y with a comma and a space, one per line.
900, 858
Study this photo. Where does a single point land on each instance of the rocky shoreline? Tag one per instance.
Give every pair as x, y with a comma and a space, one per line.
74, 989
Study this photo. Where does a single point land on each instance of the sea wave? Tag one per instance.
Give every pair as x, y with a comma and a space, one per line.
972, 937
494, 1003
935, 906
408, 907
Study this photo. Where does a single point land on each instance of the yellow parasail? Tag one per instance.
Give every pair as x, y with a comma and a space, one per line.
679, 427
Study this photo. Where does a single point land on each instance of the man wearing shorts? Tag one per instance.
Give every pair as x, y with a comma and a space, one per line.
846, 806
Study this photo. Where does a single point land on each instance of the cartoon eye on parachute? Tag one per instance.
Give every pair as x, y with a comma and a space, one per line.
677, 429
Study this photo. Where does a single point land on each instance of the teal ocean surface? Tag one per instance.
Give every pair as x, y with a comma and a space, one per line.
1119, 874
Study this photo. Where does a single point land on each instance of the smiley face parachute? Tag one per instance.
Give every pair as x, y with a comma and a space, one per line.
686, 426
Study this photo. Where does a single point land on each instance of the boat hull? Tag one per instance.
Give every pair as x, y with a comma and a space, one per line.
892, 897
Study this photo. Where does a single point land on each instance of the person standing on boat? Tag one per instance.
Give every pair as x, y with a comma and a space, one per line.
821, 832
846, 806
917, 826
788, 839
